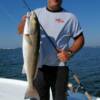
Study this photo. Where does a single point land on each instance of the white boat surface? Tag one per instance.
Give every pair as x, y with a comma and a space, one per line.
11, 89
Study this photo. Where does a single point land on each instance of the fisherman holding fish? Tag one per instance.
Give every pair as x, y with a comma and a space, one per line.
57, 27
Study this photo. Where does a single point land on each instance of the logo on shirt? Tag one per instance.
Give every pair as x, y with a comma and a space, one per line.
59, 20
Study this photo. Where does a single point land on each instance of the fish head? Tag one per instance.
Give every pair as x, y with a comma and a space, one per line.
34, 23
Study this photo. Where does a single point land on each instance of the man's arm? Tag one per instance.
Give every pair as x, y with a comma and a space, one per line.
76, 46
78, 43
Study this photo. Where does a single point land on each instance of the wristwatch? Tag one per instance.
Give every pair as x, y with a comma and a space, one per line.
70, 53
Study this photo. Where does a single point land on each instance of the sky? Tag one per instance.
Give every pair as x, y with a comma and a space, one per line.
11, 12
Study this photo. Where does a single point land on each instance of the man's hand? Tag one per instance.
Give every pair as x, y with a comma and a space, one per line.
63, 55
21, 25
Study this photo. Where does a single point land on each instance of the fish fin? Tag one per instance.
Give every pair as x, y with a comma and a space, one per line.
24, 69
35, 75
32, 94
28, 39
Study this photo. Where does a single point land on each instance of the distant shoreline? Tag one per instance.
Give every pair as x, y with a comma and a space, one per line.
21, 47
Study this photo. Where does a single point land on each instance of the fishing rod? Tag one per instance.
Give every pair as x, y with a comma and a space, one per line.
81, 86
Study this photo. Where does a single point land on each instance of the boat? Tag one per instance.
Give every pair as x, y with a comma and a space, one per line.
12, 89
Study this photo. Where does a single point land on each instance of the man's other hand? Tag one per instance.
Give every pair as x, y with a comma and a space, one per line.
21, 25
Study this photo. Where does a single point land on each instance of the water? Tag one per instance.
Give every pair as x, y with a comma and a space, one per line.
11, 63
86, 64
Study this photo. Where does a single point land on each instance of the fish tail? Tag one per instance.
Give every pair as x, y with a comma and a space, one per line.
31, 93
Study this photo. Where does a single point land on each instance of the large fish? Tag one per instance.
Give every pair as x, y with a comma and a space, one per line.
31, 43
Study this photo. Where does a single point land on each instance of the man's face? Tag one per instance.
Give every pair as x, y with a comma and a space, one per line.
54, 3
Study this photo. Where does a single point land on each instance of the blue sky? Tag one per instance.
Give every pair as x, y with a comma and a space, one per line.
11, 11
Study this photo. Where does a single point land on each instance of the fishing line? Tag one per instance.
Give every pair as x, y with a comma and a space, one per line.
27, 6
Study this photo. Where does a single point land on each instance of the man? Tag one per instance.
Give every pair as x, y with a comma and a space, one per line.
58, 27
